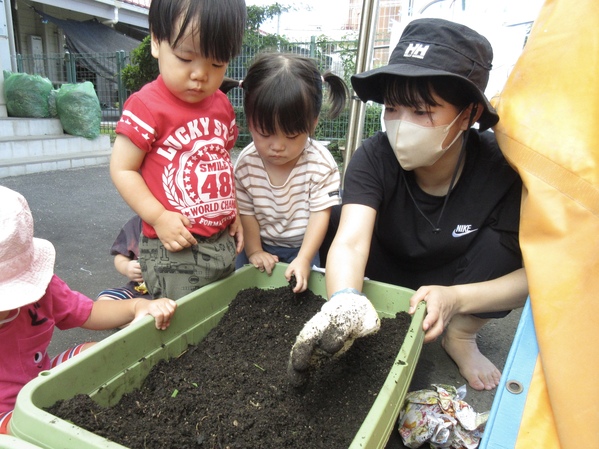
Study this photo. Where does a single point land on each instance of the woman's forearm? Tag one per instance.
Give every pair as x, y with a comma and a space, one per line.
504, 293
348, 254
344, 268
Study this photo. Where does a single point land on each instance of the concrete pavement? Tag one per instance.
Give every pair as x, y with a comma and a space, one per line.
80, 212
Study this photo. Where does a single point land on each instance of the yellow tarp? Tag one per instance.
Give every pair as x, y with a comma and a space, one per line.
549, 131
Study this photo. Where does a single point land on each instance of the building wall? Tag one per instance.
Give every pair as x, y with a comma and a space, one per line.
29, 23
52, 41
389, 12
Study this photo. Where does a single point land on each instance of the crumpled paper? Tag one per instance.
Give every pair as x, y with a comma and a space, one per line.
440, 417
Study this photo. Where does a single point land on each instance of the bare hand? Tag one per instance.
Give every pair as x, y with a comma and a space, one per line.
264, 261
161, 309
300, 269
441, 305
236, 231
134, 271
172, 230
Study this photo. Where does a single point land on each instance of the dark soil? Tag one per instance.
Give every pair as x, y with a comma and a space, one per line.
232, 391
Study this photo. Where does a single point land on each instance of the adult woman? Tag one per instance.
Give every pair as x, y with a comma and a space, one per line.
431, 203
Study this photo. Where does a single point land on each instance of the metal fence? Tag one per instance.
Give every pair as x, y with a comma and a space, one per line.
75, 68
336, 56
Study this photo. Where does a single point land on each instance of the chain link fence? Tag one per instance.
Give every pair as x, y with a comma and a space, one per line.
336, 56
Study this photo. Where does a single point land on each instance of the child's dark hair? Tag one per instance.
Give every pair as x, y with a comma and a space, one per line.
219, 23
283, 92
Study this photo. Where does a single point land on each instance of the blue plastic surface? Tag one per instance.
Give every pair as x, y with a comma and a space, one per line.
506, 412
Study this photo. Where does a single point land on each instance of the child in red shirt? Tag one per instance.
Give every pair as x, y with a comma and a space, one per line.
170, 160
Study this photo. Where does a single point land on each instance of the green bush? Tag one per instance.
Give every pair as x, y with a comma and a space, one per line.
372, 121
244, 134
339, 126
143, 67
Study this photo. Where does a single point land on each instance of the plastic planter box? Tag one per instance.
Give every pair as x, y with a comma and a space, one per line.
10, 442
119, 363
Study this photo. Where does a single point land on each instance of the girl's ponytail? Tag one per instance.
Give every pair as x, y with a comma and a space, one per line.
338, 93
228, 84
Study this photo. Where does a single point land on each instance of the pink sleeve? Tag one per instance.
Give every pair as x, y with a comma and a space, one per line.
70, 308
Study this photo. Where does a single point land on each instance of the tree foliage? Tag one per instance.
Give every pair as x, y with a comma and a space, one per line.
256, 16
143, 67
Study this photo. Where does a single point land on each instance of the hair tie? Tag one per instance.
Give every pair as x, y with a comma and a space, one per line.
241, 83
322, 79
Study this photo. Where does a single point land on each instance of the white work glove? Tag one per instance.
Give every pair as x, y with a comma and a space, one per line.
346, 316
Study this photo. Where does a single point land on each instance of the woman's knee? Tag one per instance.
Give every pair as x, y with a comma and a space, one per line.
492, 254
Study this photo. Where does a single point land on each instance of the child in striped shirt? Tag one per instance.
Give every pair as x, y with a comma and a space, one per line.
286, 181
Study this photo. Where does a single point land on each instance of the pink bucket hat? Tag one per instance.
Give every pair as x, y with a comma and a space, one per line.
26, 263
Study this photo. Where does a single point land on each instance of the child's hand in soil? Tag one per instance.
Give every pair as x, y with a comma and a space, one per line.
346, 316
298, 274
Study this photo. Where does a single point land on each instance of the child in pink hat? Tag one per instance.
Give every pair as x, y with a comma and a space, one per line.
33, 300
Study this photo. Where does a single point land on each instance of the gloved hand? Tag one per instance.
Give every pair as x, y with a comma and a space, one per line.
346, 316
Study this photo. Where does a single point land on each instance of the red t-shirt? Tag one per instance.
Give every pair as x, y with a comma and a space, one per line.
187, 167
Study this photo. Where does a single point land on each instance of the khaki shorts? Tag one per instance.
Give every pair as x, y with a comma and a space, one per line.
174, 275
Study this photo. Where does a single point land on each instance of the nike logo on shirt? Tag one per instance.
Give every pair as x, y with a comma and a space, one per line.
462, 230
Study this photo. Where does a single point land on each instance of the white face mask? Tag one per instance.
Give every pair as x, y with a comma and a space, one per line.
418, 146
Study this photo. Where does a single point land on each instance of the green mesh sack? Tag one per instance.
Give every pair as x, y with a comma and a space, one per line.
27, 95
52, 103
79, 109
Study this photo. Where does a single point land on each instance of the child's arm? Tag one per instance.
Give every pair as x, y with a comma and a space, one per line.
171, 227
113, 314
261, 259
129, 268
236, 231
318, 224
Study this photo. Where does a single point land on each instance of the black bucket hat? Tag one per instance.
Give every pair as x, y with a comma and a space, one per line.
435, 47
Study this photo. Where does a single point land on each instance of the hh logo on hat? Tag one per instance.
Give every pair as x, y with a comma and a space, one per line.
416, 51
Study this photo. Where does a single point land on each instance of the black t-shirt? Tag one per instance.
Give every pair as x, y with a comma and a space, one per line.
127, 243
487, 194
